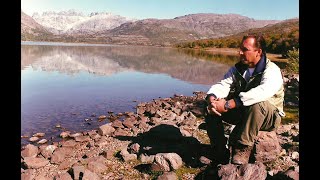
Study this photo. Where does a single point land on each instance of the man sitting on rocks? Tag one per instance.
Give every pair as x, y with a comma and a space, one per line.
250, 96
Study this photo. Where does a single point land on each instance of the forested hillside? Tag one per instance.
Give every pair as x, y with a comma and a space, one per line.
280, 38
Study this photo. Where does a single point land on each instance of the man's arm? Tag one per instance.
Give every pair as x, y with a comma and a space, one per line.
271, 82
218, 91
222, 105
222, 88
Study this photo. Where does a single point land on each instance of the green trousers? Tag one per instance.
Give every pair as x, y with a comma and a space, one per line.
249, 120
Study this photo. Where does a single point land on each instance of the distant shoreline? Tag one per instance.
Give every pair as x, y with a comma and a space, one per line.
53, 43
234, 51
62, 43
228, 51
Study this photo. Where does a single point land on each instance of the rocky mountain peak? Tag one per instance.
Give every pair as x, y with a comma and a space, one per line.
100, 13
111, 28
70, 12
30, 26
73, 22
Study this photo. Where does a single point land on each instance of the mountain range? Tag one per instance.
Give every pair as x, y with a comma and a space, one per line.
103, 27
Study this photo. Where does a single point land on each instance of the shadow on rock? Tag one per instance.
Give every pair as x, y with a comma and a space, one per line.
210, 172
166, 138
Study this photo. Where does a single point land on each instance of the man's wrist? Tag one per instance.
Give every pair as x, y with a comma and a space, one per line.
237, 102
227, 106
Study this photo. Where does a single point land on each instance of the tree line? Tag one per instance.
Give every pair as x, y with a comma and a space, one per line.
280, 38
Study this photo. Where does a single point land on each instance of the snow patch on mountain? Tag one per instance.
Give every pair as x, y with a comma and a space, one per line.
74, 22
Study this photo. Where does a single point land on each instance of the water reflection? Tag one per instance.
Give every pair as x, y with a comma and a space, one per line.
113, 59
67, 84
230, 58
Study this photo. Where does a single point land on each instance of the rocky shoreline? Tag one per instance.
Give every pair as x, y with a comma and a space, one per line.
163, 139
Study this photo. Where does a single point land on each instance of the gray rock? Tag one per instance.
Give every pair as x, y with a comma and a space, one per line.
267, 146
42, 141
134, 148
59, 155
88, 175
94, 134
255, 171
108, 154
29, 151
117, 124
75, 135
28, 174
185, 133
63, 176
47, 150
129, 157
146, 159
99, 159
204, 160
128, 123
167, 161
42, 177
65, 134
121, 132
69, 143
35, 162
66, 164
103, 141
38, 135
292, 174
160, 164
228, 172
77, 170
168, 176
82, 138
97, 167
106, 129
33, 139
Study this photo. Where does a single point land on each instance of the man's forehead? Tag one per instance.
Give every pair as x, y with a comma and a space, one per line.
248, 42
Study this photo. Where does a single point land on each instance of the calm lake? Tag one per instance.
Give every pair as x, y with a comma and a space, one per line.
64, 84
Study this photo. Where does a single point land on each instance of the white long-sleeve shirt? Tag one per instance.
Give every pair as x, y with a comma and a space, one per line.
270, 84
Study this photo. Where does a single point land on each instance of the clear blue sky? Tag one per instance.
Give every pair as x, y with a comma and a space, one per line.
168, 9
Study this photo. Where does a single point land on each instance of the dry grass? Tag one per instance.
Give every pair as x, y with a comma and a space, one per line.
234, 51
292, 115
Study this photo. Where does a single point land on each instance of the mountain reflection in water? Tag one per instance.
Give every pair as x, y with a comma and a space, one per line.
67, 84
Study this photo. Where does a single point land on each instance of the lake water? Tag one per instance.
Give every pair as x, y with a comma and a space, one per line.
66, 83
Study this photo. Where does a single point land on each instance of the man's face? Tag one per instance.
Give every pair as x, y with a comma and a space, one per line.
249, 54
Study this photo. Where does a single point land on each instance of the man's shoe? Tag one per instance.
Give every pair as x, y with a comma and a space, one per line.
221, 158
241, 154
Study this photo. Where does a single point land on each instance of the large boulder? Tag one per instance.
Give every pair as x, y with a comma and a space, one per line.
267, 146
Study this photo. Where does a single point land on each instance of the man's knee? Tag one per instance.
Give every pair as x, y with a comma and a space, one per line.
261, 107
267, 114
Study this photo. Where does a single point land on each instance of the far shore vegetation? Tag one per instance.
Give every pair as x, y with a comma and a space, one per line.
282, 43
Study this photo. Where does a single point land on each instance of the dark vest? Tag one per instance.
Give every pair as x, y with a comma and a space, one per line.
241, 85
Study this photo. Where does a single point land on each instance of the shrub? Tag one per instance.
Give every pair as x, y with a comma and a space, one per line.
293, 58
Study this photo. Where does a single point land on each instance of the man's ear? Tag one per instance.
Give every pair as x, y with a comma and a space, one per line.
259, 52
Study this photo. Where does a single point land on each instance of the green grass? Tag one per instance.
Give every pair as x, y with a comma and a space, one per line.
292, 115
155, 174
184, 170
